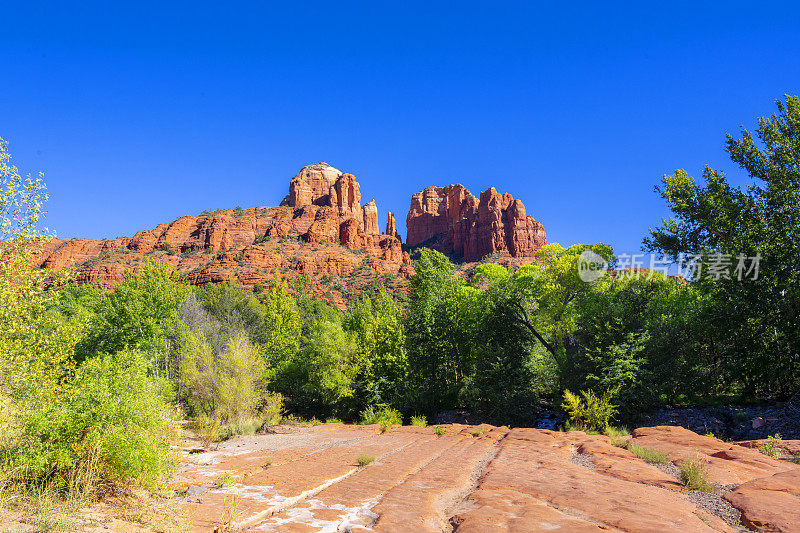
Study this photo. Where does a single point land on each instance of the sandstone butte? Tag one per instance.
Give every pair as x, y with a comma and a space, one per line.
450, 219
481, 479
320, 229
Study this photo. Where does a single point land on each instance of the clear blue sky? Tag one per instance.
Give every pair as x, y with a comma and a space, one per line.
141, 114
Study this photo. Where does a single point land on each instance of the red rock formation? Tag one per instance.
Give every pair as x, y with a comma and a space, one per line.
321, 211
371, 219
450, 219
502, 479
312, 185
391, 226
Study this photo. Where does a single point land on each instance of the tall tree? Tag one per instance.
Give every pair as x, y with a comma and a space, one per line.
757, 317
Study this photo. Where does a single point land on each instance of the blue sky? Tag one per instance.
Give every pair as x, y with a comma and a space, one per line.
141, 114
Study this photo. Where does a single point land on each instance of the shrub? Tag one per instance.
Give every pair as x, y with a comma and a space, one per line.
364, 459
649, 455
440, 430
592, 412
332, 420
770, 447
477, 432
694, 475
208, 430
221, 382
225, 479
383, 415
271, 409
108, 424
419, 421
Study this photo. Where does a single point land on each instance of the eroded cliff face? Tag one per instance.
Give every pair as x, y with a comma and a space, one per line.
451, 220
304, 235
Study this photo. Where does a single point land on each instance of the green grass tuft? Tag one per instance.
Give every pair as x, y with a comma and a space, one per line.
694, 475
477, 432
440, 430
364, 459
647, 454
612, 431
619, 442
223, 480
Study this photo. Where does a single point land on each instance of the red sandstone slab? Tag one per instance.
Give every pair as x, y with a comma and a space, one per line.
348, 503
542, 481
770, 504
727, 463
422, 501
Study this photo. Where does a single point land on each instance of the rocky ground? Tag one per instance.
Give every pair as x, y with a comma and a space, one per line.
475, 479
337, 477
734, 422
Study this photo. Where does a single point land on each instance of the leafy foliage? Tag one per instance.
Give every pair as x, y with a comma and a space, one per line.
713, 218
590, 412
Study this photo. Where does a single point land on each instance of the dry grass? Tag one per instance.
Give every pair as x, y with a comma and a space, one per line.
230, 512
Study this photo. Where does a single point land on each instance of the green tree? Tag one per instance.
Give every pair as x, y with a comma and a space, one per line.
381, 360
757, 320
440, 331
542, 297
141, 313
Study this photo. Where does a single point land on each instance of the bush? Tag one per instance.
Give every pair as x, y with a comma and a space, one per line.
694, 475
271, 409
440, 430
419, 421
221, 378
770, 447
591, 413
109, 424
383, 415
649, 455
